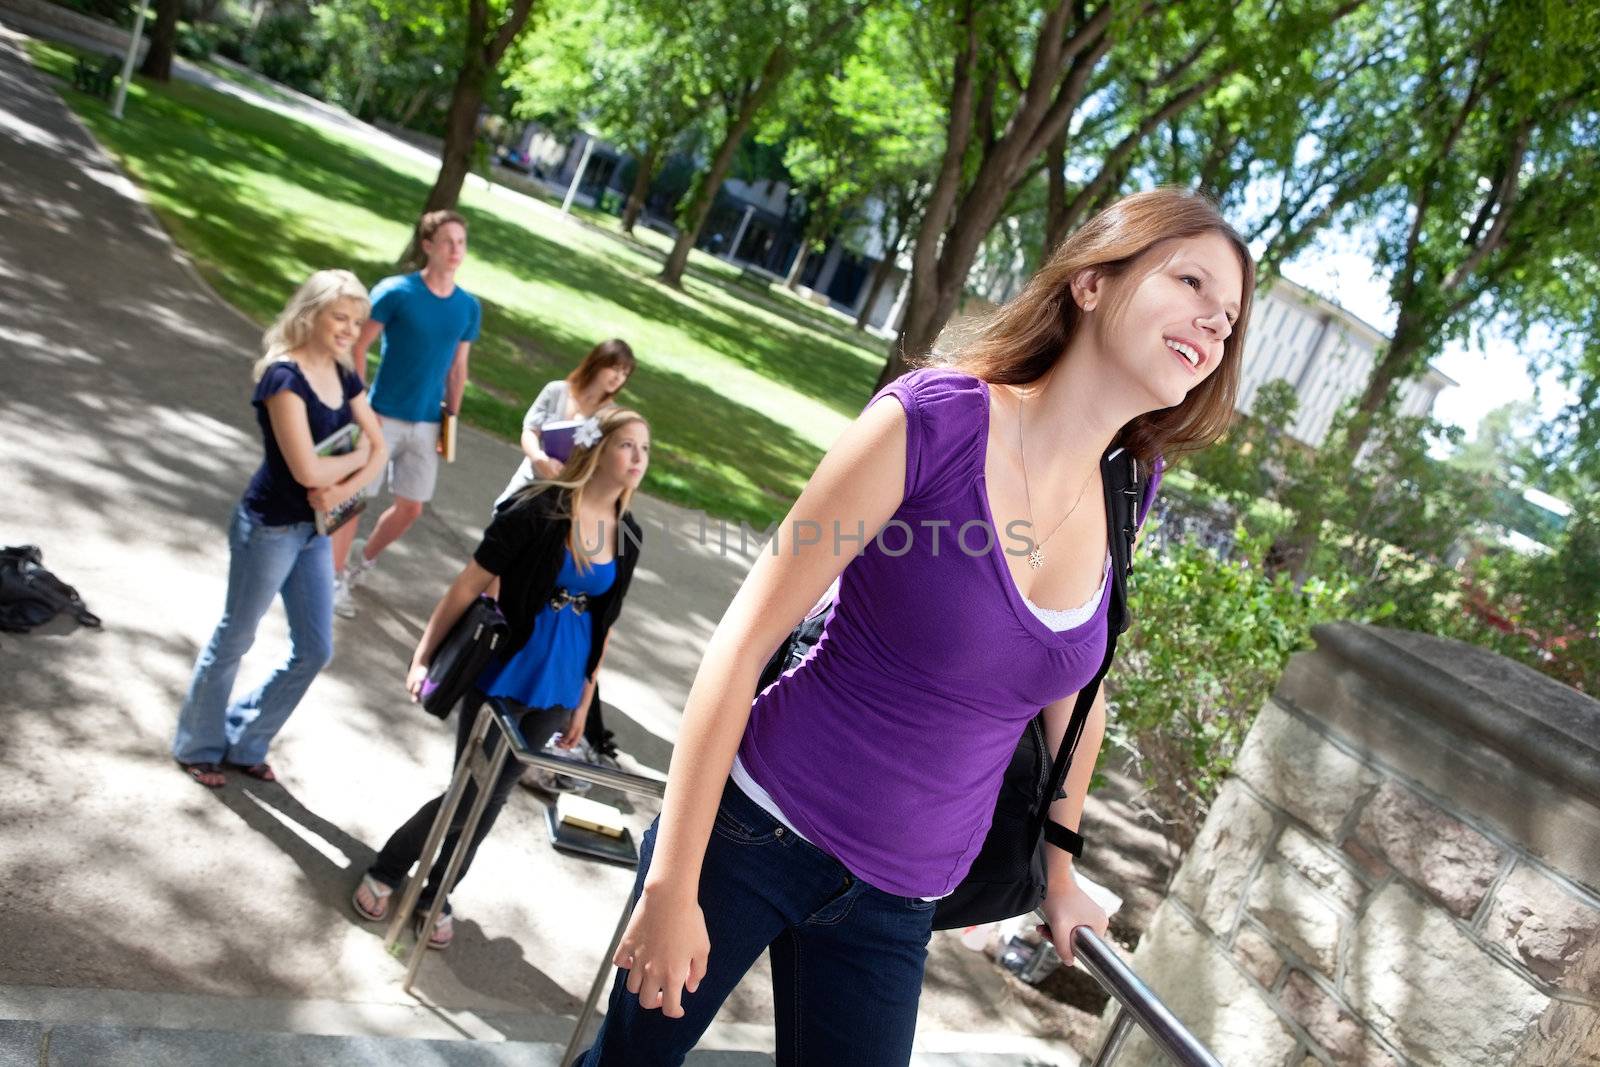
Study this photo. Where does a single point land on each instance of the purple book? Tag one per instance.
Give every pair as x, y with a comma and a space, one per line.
556, 438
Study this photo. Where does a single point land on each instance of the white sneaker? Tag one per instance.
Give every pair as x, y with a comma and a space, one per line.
344, 605
562, 783
358, 565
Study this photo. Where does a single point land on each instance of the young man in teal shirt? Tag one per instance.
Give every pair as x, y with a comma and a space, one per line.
428, 324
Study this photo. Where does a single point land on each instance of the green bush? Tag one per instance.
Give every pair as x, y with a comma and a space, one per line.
197, 40
288, 48
1209, 639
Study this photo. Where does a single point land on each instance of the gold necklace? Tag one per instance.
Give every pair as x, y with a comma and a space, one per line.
1036, 556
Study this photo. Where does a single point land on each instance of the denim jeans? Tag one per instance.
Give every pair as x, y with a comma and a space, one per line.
847, 959
404, 846
264, 561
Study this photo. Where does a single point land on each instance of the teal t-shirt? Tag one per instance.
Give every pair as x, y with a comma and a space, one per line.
420, 335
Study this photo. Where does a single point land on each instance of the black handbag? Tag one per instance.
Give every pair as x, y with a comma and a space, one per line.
463, 654
1007, 877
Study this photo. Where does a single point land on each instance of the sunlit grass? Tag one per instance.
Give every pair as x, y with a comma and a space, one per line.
744, 389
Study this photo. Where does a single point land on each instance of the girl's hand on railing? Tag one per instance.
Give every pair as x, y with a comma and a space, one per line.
1068, 908
664, 951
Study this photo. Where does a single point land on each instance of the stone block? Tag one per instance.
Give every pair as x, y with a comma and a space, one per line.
1320, 867
1448, 858
1556, 935
1298, 769
20, 1043
1431, 991
1293, 913
1212, 880
1256, 955
1421, 719
1344, 1037
1372, 866
1567, 1036
1195, 977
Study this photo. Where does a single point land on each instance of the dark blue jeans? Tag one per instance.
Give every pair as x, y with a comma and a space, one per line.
847, 959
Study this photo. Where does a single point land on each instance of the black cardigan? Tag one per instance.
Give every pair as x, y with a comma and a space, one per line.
524, 546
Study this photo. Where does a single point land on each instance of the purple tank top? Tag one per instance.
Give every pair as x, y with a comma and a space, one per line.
887, 745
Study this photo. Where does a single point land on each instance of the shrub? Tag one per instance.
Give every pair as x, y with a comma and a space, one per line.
1209, 640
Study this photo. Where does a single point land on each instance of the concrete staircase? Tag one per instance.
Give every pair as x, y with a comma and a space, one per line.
43, 1026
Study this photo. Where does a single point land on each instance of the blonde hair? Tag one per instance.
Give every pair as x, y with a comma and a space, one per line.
576, 474
292, 328
1021, 341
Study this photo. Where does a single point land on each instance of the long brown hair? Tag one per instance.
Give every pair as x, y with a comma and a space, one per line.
1021, 341
573, 480
603, 356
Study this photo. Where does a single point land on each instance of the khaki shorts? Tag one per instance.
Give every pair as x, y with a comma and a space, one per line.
413, 468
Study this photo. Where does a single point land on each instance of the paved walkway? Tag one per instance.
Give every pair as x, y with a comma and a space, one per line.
132, 895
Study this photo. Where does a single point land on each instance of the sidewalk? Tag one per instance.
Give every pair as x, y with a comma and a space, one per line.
132, 894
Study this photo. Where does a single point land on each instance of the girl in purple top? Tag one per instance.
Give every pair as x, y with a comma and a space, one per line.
965, 524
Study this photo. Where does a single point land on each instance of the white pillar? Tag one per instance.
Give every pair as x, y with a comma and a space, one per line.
893, 321
577, 175
127, 61
738, 235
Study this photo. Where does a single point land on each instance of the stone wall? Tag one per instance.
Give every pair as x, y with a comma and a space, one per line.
1402, 870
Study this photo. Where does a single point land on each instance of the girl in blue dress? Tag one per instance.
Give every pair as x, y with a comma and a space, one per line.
564, 551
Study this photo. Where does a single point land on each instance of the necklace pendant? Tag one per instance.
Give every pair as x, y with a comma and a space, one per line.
1036, 558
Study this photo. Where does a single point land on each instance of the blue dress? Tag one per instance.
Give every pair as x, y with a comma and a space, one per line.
548, 671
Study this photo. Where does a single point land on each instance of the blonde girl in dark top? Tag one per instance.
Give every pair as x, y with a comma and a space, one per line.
305, 391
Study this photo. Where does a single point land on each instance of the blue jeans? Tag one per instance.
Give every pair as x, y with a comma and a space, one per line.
264, 561
847, 959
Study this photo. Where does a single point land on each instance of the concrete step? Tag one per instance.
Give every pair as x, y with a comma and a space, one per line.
34, 1044
53, 1026
31, 1044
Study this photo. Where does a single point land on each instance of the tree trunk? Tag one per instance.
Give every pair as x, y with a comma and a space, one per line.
694, 215
485, 44
642, 178
461, 133
880, 275
799, 265
1394, 365
163, 42
1055, 225
413, 106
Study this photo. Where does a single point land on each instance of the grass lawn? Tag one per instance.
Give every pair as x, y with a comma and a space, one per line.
744, 389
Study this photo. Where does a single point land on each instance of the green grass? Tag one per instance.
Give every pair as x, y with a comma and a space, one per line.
744, 388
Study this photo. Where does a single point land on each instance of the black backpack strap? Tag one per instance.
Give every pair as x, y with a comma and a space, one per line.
1123, 479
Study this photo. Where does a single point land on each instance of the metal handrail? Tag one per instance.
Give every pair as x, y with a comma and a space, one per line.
1138, 1005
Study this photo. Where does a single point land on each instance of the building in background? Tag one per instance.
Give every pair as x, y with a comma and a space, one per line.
1325, 353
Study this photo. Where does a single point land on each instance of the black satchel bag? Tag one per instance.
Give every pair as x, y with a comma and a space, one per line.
1008, 876
463, 654
31, 597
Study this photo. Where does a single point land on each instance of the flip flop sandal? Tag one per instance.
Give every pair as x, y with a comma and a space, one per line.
380, 893
200, 772
444, 931
261, 772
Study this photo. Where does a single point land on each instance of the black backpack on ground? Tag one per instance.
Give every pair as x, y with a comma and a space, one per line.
1008, 876
30, 596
